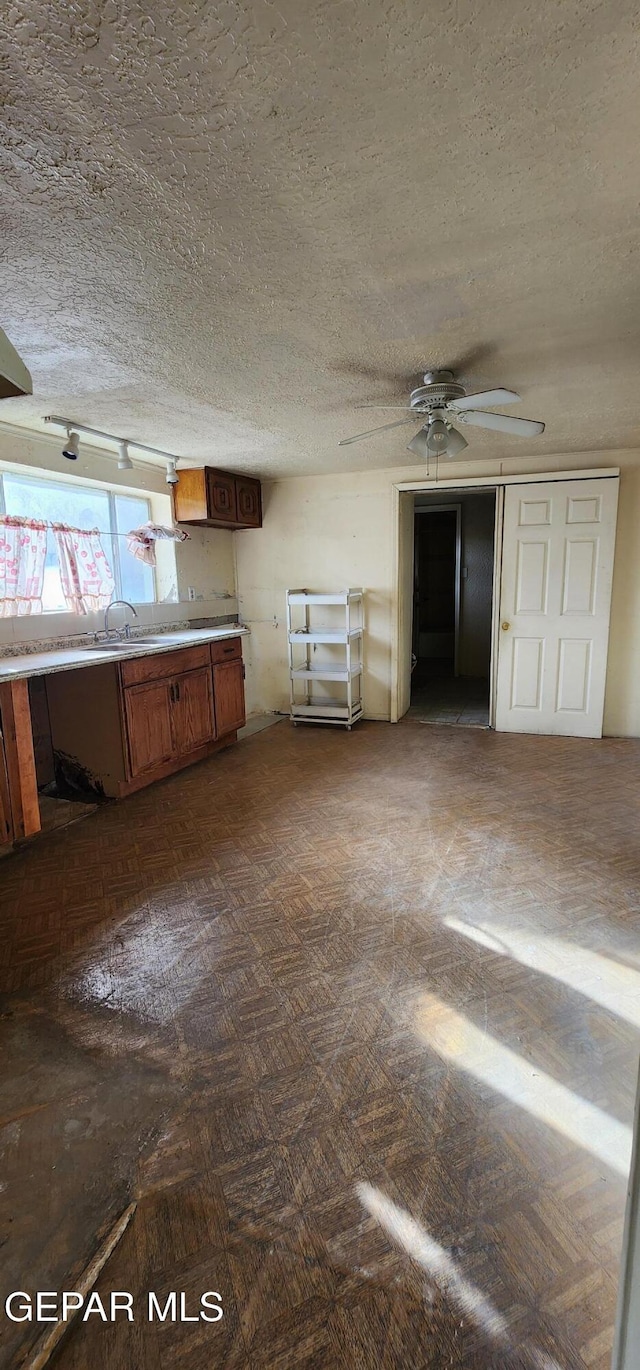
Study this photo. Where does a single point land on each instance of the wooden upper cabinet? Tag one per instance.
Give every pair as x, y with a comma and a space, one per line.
217, 499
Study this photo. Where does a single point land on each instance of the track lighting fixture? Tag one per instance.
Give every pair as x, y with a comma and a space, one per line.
71, 448
72, 445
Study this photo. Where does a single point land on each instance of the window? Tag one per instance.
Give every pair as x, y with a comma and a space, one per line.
83, 506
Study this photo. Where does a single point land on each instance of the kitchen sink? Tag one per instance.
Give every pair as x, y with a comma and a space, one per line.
123, 644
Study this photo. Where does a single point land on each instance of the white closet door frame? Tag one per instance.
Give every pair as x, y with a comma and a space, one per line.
403, 565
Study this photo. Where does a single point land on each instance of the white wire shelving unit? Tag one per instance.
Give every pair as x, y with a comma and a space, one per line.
315, 623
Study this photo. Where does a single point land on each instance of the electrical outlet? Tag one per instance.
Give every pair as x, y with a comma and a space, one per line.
191, 591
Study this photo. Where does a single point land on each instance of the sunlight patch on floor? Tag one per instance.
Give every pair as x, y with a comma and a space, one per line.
469, 1048
412, 1237
613, 985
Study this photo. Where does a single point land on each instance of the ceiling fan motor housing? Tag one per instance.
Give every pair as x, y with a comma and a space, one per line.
438, 390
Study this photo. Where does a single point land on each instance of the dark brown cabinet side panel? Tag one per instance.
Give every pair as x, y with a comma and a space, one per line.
149, 731
192, 711
228, 693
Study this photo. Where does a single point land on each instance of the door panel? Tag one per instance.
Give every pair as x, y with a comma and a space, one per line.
221, 496
149, 734
228, 689
192, 711
557, 565
248, 502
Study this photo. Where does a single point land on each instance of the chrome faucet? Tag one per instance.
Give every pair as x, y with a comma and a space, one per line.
121, 632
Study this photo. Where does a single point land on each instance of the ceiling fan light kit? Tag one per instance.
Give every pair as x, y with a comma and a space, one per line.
440, 398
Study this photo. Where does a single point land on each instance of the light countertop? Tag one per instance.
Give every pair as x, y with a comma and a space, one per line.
73, 658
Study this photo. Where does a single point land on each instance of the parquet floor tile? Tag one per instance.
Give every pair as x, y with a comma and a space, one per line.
356, 1019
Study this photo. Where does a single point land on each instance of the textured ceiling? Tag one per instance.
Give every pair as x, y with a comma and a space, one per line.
224, 225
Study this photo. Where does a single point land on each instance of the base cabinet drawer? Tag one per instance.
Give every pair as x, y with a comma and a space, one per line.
228, 649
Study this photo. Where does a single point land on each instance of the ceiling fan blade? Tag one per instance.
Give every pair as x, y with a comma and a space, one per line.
485, 397
359, 436
503, 423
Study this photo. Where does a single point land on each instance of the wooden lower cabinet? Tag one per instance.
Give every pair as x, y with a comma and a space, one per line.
192, 711
228, 690
168, 718
147, 710
121, 726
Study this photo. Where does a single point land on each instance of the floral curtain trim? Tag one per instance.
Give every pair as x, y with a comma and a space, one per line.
23, 547
87, 579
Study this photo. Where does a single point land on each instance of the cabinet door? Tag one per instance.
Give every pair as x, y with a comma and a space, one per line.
192, 710
221, 496
248, 502
149, 732
228, 693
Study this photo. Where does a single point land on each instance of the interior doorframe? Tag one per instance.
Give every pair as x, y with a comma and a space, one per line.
402, 499
457, 510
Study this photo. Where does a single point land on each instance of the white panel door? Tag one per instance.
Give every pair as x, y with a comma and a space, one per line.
557, 565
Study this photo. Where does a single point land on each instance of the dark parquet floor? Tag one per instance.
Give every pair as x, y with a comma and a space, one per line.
355, 1017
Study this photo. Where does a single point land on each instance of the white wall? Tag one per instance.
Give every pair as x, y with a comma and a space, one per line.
206, 561
333, 531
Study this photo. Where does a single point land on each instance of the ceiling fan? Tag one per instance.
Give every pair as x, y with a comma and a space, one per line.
441, 398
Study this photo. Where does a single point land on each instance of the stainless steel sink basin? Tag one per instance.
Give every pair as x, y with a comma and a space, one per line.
123, 644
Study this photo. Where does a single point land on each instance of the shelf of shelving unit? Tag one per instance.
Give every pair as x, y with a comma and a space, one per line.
306, 674
325, 634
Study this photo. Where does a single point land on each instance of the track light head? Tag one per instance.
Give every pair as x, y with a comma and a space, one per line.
124, 460
172, 474
72, 445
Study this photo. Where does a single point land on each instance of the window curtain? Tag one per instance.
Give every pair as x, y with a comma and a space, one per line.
87, 578
23, 547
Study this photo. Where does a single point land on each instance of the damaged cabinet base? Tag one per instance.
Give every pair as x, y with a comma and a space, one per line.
128, 724
19, 807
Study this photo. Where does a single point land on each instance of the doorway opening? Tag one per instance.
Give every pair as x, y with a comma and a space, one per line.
454, 553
